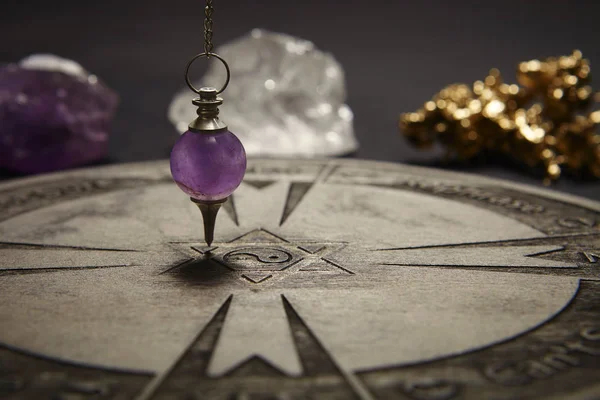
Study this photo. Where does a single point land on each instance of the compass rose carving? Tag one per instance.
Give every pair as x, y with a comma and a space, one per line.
314, 283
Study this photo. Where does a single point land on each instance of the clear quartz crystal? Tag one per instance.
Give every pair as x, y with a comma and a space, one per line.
285, 98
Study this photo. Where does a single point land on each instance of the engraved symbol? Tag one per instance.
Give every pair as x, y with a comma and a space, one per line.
257, 262
82, 390
591, 257
431, 389
550, 361
265, 255
576, 222
260, 255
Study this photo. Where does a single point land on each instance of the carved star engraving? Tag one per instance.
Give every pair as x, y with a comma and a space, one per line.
261, 255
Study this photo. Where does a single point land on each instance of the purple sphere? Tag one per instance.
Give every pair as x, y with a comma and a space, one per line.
51, 120
208, 167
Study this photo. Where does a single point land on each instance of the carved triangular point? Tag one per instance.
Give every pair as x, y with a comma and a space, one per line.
204, 249
256, 277
258, 184
312, 248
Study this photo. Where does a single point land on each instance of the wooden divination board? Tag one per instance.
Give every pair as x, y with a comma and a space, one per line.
332, 279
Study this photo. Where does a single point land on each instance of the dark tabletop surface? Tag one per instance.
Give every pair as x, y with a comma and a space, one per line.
396, 55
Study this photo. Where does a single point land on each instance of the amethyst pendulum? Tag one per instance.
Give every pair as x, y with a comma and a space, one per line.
208, 162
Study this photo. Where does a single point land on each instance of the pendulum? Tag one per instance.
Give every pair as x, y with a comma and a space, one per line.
208, 162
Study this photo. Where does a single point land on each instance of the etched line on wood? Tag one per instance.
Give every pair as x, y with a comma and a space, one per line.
558, 249
229, 208
258, 236
292, 264
23, 271
314, 353
505, 256
259, 184
542, 239
196, 355
328, 171
176, 266
298, 190
256, 277
312, 248
33, 246
204, 249
556, 272
312, 269
591, 257
337, 265
296, 193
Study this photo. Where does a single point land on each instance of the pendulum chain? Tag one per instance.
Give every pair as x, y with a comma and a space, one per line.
208, 28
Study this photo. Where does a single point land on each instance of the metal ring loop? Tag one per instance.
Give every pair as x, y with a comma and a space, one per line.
207, 55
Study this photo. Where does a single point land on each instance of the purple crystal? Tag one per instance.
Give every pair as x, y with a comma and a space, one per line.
208, 167
52, 116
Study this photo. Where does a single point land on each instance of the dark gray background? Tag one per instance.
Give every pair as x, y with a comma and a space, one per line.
396, 55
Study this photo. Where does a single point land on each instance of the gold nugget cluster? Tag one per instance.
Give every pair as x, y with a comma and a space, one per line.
542, 123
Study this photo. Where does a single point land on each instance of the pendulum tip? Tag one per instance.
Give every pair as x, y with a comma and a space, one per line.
209, 210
